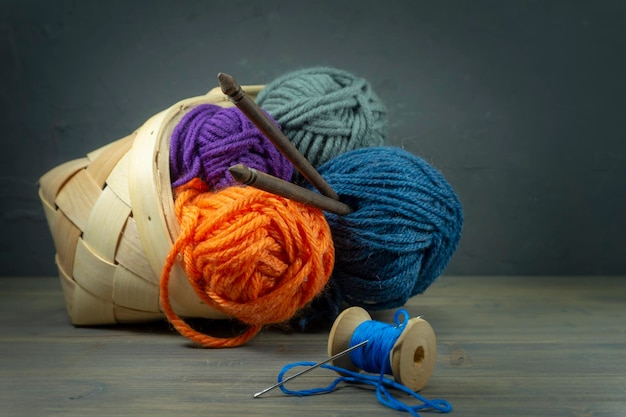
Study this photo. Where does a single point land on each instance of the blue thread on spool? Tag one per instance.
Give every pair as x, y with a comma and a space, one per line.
407, 350
410, 353
374, 356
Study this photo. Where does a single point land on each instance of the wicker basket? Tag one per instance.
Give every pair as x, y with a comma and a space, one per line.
111, 215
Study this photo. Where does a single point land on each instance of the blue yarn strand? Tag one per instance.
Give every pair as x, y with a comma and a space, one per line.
380, 382
374, 357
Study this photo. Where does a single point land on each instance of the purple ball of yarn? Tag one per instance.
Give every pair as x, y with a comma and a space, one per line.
209, 139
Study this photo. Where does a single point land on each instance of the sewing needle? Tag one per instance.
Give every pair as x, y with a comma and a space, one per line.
317, 365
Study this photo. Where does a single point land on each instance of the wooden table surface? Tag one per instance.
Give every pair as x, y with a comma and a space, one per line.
507, 346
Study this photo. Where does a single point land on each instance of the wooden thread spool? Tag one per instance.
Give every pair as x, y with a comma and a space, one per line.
412, 356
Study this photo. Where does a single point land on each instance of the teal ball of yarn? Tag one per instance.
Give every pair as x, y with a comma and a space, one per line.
405, 227
325, 112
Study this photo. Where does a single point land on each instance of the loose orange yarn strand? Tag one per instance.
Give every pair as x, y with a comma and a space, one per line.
249, 254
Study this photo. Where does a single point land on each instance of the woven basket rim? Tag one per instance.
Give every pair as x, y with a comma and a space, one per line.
151, 192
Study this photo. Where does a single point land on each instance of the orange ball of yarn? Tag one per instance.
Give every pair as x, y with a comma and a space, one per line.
250, 254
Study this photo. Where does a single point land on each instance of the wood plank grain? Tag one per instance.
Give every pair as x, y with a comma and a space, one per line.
507, 346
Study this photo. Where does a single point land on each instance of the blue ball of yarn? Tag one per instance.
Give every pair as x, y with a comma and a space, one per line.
325, 112
405, 226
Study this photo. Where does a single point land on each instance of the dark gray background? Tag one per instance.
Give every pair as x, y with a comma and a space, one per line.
519, 103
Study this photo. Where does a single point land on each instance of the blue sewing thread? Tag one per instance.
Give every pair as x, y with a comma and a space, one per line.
374, 357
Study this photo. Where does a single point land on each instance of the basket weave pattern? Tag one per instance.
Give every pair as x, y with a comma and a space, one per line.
111, 219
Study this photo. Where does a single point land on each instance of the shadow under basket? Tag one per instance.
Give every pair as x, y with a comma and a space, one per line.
111, 215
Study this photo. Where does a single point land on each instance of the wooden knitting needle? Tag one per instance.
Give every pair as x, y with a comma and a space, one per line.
317, 365
273, 133
274, 185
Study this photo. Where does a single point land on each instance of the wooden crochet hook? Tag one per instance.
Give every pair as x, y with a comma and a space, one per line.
274, 185
253, 112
